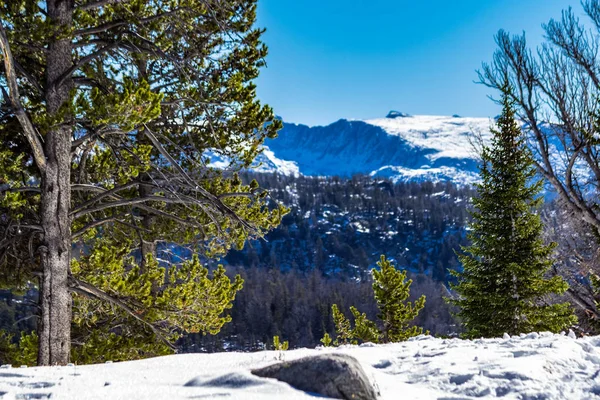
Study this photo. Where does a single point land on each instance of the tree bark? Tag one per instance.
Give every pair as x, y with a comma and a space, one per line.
55, 327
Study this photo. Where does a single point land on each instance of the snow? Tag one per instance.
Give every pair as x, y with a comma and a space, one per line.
396, 174
450, 137
267, 162
533, 366
403, 148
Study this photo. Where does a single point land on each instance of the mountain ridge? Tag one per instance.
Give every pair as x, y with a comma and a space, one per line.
400, 147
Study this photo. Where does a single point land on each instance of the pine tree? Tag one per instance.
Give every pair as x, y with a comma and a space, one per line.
110, 111
326, 340
391, 292
343, 328
503, 287
280, 346
364, 330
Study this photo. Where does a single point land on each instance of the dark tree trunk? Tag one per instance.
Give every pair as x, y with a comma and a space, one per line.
55, 299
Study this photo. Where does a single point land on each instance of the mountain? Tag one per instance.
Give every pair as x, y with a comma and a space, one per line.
400, 147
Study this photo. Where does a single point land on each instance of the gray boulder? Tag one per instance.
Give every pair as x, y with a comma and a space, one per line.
338, 376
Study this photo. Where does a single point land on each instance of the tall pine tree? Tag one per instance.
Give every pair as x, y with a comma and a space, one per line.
110, 116
503, 286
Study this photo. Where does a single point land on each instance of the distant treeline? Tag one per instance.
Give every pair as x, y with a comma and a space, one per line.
324, 249
296, 306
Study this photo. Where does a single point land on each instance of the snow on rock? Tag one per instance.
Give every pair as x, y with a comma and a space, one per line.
534, 366
333, 375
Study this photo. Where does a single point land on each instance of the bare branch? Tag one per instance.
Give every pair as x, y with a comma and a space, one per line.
26, 124
90, 5
93, 224
80, 212
84, 60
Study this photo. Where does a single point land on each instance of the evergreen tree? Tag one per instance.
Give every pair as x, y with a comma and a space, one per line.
326, 340
391, 292
364, 330
110, 109
502, 287
343, 328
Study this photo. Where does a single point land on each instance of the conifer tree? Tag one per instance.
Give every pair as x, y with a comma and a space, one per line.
326, 340
343, 328
110, 111
503, 286
392, 289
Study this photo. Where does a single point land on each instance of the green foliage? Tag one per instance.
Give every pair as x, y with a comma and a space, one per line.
8, 349
21, 352
503, 285
595, 283
142, 115
27, 349
364, 329
326, 340
391, 290
163, 302
343, 329
279, 346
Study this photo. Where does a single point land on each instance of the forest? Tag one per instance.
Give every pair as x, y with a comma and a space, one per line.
121, 238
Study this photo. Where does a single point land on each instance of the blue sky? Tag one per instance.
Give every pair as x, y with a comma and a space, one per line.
332, 59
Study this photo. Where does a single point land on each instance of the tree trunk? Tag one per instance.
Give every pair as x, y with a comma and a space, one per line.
55, 300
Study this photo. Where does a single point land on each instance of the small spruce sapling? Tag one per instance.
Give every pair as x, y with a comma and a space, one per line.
391, 290
278, 345
326, 340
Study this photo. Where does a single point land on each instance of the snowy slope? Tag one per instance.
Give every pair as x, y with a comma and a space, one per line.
400, 147
543, 366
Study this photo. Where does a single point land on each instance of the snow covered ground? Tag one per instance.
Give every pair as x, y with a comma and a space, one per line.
534, 366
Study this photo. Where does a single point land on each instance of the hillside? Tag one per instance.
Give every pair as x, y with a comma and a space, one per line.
399, 147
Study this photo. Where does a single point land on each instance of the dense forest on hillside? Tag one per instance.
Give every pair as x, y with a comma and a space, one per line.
341, 226
322, 253
325, 247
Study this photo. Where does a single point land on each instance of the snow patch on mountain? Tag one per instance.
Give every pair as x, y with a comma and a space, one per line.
450, 137
401, 147
440, 174
268, 162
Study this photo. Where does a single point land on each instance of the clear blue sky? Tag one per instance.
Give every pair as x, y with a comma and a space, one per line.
332, 59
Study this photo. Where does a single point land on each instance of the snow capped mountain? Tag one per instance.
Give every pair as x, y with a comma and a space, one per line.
400, 146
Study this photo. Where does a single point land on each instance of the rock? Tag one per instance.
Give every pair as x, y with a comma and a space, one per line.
397, 114
338, 376
230, 381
